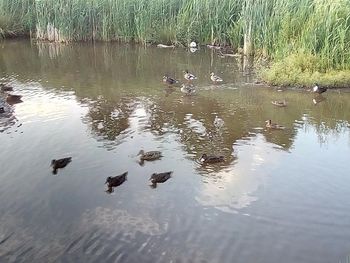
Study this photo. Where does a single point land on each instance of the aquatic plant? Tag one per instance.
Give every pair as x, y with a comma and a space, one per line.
16, 17
268, 28
305, 70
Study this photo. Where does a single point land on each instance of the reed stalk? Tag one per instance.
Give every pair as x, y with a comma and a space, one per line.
273, 29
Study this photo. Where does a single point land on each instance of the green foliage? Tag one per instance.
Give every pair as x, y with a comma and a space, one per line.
16, 17
278, 28
304, 70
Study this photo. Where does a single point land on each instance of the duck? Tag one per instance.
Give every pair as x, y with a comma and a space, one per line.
168, 80
275, 126
279, 103
318, 89
149, 156
60, 163
159, 178
5, 87
13, 99
115, 181
218, 122
211, 158
214, 78
193, 44
188, 89
189, 76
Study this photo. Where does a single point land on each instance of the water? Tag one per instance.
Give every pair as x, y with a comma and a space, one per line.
280, 196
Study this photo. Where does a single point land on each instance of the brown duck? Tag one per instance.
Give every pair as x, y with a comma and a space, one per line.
159, 178
5, 87
168, 80
13, 99
60, 163
274, 126
211, 158
115, 181
149, 156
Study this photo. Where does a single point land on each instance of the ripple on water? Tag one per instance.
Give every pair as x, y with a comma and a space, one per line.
270, 195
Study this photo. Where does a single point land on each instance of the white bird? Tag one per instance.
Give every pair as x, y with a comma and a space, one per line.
188, 76
318, 89
193, 44
215, 78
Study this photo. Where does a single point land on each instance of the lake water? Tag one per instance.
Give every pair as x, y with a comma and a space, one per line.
280, 196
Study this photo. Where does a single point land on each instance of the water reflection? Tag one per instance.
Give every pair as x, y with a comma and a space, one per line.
318, 99
102, 104
7, 117
109, 120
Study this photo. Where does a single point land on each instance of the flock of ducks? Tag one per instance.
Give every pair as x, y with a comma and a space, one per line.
10, 98
155, 178
189, 88
316, 89
116, 181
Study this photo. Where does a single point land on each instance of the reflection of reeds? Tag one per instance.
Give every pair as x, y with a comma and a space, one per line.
51, 50
117, 72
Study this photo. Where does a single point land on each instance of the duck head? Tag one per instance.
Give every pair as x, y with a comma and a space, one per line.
268, 122
185, 71
204, 157
212, 74
53, 162
2, 110
108, 180
141, 152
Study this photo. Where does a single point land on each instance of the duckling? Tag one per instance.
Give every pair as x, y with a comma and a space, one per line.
5, 87
188, 89
115, 181
13, 99
211, 158
60, 163
279, 103
159, 178
189, 76
168, 80
215, 78
318, 89
275, 126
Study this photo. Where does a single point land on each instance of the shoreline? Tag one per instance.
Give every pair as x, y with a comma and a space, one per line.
271, 75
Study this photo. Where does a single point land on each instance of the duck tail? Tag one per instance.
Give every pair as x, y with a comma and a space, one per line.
125, 174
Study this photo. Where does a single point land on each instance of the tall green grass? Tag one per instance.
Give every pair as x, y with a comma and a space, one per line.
278, 28
16, 17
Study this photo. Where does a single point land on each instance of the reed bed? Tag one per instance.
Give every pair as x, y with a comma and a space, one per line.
274, 29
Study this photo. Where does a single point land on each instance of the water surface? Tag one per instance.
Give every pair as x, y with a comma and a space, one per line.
280, 196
